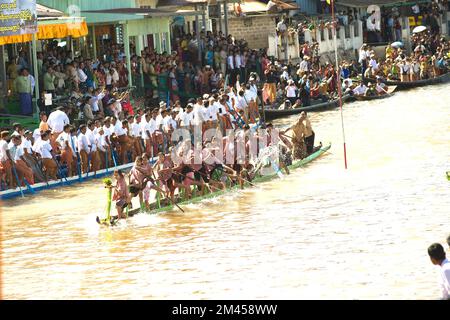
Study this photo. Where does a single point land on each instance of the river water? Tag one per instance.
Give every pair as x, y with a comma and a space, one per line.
322, 233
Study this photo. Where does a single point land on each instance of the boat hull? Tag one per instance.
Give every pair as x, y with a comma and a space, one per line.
413, 84
265, 178
274, 114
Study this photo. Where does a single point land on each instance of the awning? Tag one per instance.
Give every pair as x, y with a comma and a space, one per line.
389, 3
55, 30
138, 11
43, 11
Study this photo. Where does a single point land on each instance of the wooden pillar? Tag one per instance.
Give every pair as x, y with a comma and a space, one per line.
219, 14
197, 32
126, 44
225, 16
36, 74
94, 42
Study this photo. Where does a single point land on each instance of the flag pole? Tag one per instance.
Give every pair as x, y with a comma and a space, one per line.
338, 77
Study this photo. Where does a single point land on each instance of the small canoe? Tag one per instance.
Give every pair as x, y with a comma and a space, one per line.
320, 106
413, 84
390, 93
295, 165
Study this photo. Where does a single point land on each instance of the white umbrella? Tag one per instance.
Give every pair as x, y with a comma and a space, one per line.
419, 29
397, 44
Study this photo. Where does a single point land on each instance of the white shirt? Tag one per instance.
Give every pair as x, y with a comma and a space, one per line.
118, 129
291, 91
57, 120
281, 26
135, 129
359, 90
26, 144
83, 143
362, 55
186, 119
108, 131
150, 127
92, 139
102, 145
62, 139
170, 122
241, 103
444, 272
374, 64
45, 149
230, 60
415, 9
94, 102
238, 61
3, 150
19, 153
222, 110
198, 114
212, 112
36, 134
81, 75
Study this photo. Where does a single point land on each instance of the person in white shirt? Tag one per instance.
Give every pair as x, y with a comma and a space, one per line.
381, 87
136, 133
57, 120
186, 118
438, 258
291, 91
98, 96
5, 160
23, 170
285, 74
63, 141
92, 138
198, 113
360, 90
148, 131
84, 148
373, 63
46, 153
363, 58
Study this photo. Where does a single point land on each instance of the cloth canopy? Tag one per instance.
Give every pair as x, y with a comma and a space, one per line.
55, 30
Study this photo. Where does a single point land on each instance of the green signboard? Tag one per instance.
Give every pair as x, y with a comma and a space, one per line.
17, 17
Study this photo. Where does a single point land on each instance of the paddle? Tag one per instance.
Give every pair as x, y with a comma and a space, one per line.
29, 186
17, 178
169, 198
59, 170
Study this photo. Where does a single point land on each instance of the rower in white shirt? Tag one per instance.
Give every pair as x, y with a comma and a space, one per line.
84, 148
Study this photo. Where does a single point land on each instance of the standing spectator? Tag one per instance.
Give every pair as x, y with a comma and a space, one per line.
24, 87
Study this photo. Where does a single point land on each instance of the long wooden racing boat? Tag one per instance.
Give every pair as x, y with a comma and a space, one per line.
167, 206
390, 93
413, 84
319, 106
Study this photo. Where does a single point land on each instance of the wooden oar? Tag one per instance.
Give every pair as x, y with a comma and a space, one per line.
169, 198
